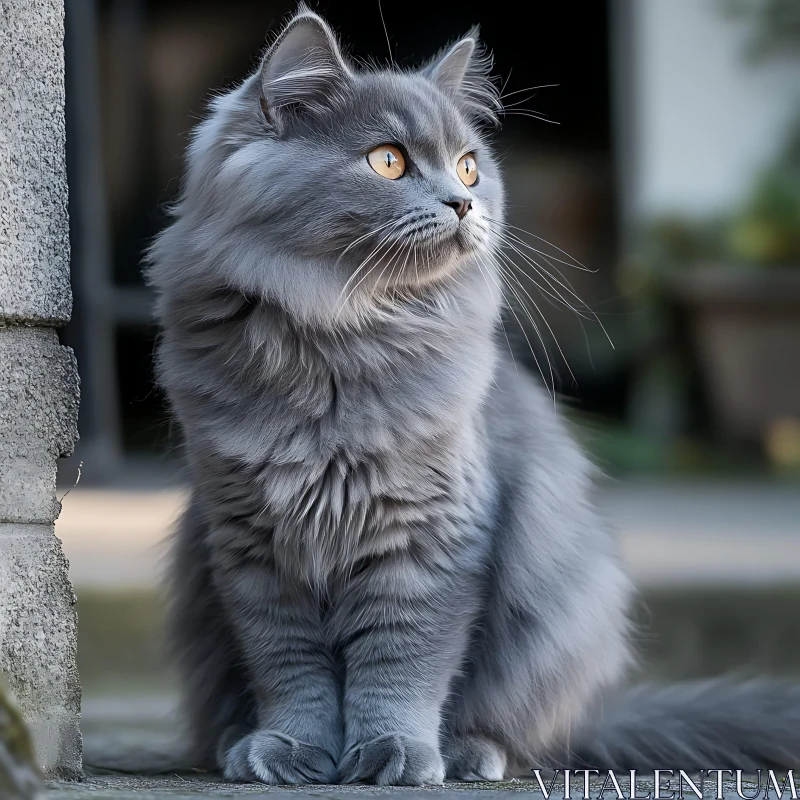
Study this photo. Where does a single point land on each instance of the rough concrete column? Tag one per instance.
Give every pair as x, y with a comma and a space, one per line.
38, 382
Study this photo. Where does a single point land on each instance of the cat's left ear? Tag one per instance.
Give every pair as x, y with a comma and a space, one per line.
463, 71
303, 69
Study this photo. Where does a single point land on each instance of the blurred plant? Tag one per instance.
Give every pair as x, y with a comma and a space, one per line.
767, 232
763, 232
19, 775
774, 26
674, 239
767, 229
782, 444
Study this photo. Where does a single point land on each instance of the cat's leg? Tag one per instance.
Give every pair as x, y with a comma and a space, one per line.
472, 757
551, 637
402, 639
553, 633
298, 734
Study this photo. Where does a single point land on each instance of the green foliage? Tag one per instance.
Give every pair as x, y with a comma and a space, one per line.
767, 229
763, 232
774, 26
19, 775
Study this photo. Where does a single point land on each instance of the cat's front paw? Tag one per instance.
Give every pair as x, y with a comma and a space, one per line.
473, 758
273, 757
392, 760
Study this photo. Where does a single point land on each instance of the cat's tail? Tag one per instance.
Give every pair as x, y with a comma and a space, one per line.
714, 724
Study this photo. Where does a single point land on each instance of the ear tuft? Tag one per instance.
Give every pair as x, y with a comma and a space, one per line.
449, 71
303, 70
463, 70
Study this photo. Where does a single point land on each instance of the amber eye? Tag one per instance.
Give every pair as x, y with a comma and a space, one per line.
467, 169
387, 161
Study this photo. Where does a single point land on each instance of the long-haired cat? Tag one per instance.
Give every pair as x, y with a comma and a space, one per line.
390, 569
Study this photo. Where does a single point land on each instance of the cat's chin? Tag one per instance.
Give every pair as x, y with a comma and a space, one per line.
434, 277
436, 263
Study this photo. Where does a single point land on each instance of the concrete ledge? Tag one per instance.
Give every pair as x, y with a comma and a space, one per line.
38, 420
34, 227
38, 636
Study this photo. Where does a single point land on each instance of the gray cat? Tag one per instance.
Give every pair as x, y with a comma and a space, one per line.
390, 569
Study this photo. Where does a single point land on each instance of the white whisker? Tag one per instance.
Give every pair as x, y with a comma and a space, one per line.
503, 327
550, 279
549, 292
549, 244
544, 319
392, 227
530, 114
528, 89
530, 346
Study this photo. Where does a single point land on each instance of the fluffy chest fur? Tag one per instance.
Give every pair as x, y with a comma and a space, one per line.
333, 451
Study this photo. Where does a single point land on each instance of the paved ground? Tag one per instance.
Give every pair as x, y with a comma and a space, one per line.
127, 742
669, 532
121, 787
189, 788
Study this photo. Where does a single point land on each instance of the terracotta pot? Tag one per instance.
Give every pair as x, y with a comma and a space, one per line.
747, 329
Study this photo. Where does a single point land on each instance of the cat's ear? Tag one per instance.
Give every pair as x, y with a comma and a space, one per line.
303, 69
449, 68
463, 70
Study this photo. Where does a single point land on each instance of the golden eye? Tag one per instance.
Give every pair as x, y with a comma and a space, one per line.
467, 169
387, 161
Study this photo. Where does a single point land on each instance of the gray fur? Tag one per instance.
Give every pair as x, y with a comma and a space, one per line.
390, 566
748, 726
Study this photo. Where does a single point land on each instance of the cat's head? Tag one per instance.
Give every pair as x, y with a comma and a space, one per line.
333, 188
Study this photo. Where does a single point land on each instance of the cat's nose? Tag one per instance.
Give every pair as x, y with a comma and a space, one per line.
460, 205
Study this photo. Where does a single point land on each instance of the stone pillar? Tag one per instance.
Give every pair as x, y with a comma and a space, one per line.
38, 382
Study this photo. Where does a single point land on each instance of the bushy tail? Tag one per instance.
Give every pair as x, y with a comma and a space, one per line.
705, 725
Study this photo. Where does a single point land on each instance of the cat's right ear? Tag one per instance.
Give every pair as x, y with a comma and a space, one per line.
303, 69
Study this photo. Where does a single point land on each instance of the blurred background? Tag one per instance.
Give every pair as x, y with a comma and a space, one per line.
659, 149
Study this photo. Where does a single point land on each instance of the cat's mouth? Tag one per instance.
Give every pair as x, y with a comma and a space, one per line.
422, 259
422, 250
430, 260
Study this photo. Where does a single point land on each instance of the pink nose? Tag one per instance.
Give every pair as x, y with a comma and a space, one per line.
460, 206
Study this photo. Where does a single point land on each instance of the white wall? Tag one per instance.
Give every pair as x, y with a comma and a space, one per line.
700, 119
